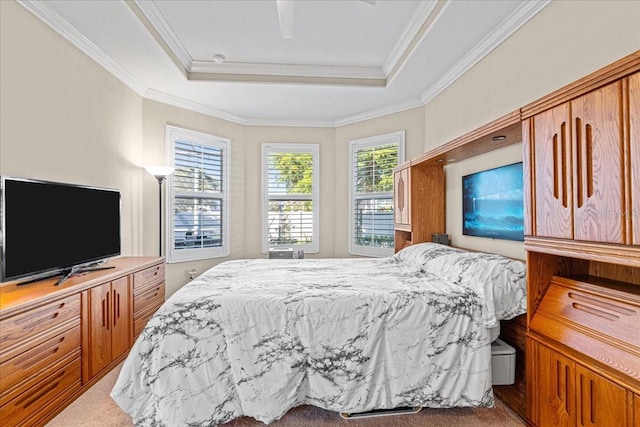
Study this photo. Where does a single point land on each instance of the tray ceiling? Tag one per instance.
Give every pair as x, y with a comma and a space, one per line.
348, 60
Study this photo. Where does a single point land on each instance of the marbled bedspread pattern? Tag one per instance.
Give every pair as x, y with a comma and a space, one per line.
258, 337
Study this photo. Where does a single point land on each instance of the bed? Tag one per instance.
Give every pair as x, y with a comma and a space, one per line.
258, 337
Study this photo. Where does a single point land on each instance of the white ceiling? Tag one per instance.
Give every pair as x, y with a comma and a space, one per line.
348, 60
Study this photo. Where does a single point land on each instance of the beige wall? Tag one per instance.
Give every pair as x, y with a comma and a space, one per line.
155, 118
411, 121
64, 118
564, 42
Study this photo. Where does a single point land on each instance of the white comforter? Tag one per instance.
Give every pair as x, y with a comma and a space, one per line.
258, 337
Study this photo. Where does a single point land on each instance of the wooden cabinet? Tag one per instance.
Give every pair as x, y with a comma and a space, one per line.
570, 394
402, 197
556, 389
584, 364
418, 203
634, 150
57, 341
108, 324
600, 402
578, 168
582, 231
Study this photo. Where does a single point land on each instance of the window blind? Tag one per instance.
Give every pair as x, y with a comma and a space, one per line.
290, 187
197, 184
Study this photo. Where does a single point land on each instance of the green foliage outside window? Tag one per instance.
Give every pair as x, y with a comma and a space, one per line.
374, 168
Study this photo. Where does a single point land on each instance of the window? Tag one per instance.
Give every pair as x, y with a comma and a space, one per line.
290, 196
371, 209
198, 209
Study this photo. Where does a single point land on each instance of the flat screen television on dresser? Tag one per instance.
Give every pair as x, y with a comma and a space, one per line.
55, 229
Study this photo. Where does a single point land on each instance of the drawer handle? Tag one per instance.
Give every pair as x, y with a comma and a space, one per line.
40, 316
154, 272
30, 358
595, 311
43, 391
153, 296
607, 306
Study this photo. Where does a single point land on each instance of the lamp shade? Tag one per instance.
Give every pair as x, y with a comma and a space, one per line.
160, 171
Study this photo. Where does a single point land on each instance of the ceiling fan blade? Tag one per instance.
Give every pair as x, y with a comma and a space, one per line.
285, 15
371, 2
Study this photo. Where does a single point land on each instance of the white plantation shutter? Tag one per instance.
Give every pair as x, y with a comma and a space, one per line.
290, 201
371, 211
198, 190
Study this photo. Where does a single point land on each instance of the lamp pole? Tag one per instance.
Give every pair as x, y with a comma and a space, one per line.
161, 173
160, 179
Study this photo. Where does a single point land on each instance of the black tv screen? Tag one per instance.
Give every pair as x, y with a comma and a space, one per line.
492, 203
50, 227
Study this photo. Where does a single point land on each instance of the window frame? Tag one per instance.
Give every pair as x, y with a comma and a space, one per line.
314, 150
172, 134
355, 145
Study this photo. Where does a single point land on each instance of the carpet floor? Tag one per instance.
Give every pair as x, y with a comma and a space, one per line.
96, 409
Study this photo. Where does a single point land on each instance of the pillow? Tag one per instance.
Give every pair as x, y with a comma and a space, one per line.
498, 280
417, 255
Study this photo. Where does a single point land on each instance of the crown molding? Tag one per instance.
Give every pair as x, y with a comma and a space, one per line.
290, 123
175, 101
508, 26
50, 18
421, 22
384, 111
154, 18
298, 70
286, 80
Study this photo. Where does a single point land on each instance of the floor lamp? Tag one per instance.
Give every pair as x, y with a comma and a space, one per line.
161, 173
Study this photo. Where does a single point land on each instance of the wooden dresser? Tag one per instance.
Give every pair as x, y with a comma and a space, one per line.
57, 341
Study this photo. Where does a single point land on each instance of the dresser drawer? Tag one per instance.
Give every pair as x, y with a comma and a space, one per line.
605, 316
147, 277
18, 405
141, 319
153, 296
35, 361
17, 329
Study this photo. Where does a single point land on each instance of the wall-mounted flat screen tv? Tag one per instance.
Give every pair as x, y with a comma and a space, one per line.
492, 203
50, 228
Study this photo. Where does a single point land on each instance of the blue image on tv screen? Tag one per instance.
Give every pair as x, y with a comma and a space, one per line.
492, 203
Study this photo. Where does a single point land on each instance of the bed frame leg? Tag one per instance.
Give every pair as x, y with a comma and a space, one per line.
406, 410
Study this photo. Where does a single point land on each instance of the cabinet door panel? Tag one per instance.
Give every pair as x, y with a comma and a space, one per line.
598, 174
556, 389
551, 142
402, 202
634, 126
99, 328
121, 317
600, 402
